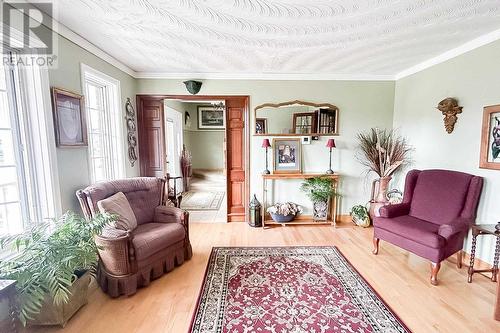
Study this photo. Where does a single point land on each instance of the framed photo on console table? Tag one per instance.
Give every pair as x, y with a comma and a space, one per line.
287, 156
490, 138
69, 118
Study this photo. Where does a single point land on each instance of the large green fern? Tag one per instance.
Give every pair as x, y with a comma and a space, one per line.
46, 258
318, 188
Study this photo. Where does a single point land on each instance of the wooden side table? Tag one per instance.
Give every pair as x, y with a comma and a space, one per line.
484, 229
7, 292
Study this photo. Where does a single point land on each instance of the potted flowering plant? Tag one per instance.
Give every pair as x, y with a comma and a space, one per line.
284, 212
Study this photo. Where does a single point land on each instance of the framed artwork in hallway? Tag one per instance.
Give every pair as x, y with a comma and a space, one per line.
211, 118
490, 138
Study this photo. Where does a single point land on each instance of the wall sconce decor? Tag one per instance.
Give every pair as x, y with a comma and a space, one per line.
193, 86
449, 108
131, 128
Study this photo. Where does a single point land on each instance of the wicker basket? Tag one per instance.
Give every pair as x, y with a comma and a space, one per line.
52, 314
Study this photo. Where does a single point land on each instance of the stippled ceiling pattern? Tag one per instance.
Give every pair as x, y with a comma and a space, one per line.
364, 37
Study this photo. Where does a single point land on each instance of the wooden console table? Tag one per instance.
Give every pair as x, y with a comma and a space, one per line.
304, 219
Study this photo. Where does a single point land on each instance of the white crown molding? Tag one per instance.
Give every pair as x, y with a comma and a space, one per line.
78, 40
69, 34
264, 76
464, 48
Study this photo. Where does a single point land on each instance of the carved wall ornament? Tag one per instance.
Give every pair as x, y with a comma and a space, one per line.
449, 108
131, 129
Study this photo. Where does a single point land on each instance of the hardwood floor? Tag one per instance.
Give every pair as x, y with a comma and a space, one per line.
401, 279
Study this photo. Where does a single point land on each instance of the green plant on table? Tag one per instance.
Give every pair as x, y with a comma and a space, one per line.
318, 189
47, 257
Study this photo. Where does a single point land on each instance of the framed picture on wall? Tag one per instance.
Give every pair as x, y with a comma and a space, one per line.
490, 138
69, 118
261, 126
287, 157
211, 118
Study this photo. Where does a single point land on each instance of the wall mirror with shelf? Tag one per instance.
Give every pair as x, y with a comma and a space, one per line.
296, 118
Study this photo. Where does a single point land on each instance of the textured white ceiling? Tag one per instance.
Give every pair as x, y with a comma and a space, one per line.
366, 37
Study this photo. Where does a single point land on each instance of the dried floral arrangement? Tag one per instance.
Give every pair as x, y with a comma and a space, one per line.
287, 208
383, 151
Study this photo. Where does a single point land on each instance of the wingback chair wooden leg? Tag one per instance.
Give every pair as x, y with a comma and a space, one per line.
434, 272
459, 259
375, 245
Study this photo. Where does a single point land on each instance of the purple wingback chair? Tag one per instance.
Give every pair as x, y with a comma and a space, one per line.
437, 210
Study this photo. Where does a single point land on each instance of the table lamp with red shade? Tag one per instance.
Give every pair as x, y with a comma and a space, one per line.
330, 144
266, 144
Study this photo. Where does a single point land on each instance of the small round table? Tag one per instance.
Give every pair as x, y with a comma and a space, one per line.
484, 229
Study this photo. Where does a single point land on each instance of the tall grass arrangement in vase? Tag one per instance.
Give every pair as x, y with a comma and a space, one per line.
382, 152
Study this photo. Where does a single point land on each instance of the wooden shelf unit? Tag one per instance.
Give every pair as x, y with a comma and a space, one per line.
302, 219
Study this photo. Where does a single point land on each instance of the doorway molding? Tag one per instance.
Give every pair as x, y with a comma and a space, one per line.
245, 144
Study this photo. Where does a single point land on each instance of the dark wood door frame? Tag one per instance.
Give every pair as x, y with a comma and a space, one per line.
246, 144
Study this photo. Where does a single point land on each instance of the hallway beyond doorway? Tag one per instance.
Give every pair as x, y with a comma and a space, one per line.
206, 200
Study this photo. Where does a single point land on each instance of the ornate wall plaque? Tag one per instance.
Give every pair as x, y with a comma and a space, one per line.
131, 129
449, 108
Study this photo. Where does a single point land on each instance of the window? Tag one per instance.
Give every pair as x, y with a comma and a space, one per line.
28, 178
104, 123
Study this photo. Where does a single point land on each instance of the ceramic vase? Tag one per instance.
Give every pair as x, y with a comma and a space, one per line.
379, 195
320, 210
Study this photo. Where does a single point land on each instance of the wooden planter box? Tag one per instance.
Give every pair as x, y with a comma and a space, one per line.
52, 314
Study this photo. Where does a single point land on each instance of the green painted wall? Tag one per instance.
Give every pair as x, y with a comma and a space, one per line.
474, 79
363, 104
206, 146
72, 163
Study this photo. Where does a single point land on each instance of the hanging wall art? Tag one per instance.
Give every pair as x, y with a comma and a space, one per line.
131, 129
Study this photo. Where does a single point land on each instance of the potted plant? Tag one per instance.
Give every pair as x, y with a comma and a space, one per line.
360, 217
382, 152
319, 190
284, 212
52, 263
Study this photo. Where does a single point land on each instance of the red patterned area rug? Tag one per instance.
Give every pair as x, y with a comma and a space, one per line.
288, 290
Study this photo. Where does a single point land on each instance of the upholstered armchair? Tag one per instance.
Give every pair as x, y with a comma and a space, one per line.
158, 240
437, 210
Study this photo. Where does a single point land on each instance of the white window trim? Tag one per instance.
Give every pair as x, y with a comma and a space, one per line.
115, 88
43, 155
43, 147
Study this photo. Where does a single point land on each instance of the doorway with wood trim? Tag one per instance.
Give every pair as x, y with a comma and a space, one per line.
161, 142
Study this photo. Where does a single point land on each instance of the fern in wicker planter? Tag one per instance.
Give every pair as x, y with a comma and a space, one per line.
52, 264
